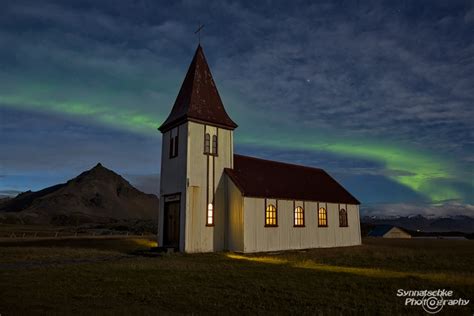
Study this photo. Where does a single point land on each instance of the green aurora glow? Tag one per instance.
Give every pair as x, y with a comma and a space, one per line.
128, 120
416, 170
420, 171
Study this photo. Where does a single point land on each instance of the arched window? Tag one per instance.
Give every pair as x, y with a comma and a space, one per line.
207, 143
342, 218
299, 217
271, 215
214, 145
210, 215
322, 217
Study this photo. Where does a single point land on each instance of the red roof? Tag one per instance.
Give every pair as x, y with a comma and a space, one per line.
272, 179
198, 99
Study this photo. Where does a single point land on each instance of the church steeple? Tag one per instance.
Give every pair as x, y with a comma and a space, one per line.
198, 99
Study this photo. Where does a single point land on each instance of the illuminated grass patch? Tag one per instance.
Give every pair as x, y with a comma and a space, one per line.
366, 272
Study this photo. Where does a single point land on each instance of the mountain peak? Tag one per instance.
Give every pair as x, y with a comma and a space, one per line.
100, 166
96, 193
99, 173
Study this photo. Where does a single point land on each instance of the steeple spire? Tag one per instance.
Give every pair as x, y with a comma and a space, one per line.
198, 99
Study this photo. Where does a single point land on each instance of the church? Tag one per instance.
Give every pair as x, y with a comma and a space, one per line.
212, 199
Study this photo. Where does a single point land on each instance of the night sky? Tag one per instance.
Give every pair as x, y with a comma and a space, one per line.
378, 93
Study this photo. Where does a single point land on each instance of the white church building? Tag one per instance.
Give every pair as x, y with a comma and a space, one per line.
212, 199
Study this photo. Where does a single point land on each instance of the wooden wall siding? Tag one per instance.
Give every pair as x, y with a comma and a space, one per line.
195, 202
257, 237
243, 218
173, 178
199, 237
235, 227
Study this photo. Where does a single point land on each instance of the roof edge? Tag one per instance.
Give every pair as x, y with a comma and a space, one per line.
357, 202
239, 186
233, 178
166, 127
296, 199
281, 162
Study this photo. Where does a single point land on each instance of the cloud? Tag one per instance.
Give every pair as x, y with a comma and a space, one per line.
56, 145
384, 83
9, 193
384, 86
469, 16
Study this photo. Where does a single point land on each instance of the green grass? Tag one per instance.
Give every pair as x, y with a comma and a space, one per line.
104, 277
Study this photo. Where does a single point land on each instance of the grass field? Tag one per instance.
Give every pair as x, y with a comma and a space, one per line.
109, 276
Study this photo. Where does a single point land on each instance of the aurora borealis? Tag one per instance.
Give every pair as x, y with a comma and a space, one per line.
378, 93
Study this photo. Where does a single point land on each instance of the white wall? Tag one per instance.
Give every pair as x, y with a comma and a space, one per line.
173, 178
199, 237
257, 237
235, 223
245, 230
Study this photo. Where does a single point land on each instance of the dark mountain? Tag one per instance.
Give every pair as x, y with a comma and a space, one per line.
96, 195
458, 223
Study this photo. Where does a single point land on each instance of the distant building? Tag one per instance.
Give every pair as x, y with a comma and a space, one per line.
388, 231
212, 199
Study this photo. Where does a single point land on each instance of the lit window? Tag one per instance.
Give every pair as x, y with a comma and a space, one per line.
271, 215
343, 218
207, 143
214, 145
210, 215
322, 217
299, 216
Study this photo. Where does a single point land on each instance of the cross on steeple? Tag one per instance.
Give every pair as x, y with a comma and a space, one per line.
198, 31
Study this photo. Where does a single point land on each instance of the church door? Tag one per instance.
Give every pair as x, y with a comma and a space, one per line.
171, 224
